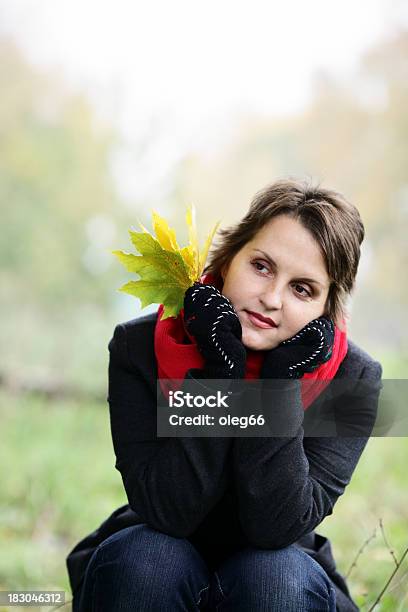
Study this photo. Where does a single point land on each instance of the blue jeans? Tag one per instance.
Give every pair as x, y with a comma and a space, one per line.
141, 569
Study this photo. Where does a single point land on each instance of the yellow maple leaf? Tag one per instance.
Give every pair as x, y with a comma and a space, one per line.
166, 270
165, 235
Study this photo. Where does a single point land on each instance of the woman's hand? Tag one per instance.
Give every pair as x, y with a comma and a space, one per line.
210, 317
304, 352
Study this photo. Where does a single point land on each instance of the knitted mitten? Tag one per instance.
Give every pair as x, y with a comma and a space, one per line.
211, 319
302, 353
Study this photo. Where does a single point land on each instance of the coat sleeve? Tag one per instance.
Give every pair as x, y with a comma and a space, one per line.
171, 483
287, 485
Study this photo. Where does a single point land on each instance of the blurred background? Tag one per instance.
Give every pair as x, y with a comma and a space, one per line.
112, 109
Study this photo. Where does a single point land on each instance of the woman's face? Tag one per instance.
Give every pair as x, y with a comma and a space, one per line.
281, 275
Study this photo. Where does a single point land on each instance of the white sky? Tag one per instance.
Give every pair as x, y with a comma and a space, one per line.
173, 75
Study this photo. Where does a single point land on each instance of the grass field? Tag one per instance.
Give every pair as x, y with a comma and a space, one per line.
59, 483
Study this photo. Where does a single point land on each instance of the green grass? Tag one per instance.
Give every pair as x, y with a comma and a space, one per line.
377, 491
59, 483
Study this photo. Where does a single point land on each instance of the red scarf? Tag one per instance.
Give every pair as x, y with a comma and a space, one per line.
176, 352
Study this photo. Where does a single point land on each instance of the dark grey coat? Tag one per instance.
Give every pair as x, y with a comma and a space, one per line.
213, 491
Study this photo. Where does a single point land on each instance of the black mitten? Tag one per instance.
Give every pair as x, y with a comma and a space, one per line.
302, 353
210, 317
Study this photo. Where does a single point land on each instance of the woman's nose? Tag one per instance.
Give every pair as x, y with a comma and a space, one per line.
272, 299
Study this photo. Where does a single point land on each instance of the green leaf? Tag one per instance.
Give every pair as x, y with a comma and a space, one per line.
166, 271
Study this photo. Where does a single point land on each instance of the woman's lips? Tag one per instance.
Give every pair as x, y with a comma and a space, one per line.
255, 320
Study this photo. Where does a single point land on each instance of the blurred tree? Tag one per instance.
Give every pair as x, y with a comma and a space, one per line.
54, 178
59, 215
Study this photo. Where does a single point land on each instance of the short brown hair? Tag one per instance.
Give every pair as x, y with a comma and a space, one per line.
333, 221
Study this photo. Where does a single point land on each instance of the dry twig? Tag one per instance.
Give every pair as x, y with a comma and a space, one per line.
360, 550
386, 543
404, 554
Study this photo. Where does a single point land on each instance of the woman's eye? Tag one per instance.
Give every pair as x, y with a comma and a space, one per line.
302, 290
258, 263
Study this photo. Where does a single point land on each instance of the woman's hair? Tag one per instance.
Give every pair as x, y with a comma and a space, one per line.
334, 222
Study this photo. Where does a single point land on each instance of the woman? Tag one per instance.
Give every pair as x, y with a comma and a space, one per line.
228, 523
